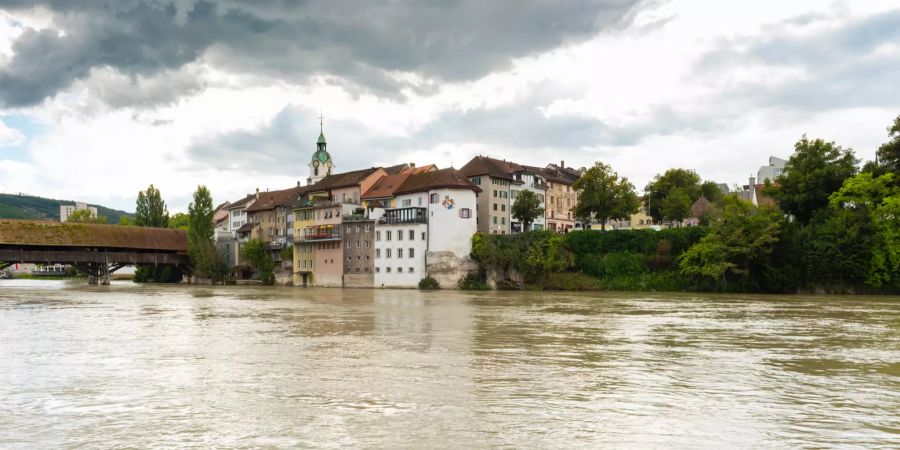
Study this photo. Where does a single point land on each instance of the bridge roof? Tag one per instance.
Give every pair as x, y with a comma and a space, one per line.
65, 234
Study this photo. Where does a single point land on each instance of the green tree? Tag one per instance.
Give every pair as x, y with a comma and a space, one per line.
546, 254
813, 173
604, 196
738, 247
526, 208
879, 198
85, 216
889, 152
256, 253
150, 210
711, 191
207, 261
126, 221
180, 221
670, 195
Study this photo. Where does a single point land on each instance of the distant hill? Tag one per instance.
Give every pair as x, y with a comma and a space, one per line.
28, 207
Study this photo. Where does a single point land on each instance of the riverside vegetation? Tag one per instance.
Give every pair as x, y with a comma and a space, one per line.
832, 227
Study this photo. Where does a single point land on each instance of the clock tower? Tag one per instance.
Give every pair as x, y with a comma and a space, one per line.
320, 166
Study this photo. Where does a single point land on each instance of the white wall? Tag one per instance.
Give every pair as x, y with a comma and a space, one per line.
396, 278
447, 231
541, 221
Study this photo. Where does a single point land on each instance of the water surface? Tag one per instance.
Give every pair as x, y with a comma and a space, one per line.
149, 366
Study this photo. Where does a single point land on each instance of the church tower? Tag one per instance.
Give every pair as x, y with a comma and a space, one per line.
321, 163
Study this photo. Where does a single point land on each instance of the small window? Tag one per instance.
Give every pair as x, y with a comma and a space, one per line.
357, 244
387, 235
377, 253
348, 244
465, 213
423, 235
378, 270
367, 244
503, 220
387, 269
399, 270
412, 235
399, 252
407, 202
411, 270
387, 253
412, 252
495, 206
435, 198
399, 235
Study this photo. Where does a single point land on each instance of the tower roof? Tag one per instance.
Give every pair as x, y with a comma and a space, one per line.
321, 138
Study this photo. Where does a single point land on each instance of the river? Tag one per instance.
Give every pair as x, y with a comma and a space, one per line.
184, 366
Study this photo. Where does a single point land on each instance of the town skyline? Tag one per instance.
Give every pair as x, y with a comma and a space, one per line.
640, 86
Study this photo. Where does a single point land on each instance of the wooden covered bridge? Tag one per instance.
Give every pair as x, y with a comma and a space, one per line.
94, 250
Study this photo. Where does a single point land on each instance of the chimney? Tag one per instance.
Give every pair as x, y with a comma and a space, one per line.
257, 193
298, 183
752, 181
562, 164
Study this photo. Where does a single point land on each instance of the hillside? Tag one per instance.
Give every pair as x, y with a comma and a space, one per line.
38, 208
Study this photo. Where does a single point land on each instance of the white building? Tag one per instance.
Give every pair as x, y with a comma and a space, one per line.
771, 171
66, 210
528, 180
429, 233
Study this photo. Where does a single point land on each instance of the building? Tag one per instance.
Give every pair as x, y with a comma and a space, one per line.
428, 232
66, 210
500, 181
771, 171
319, 227
321, 165
561, 197
229, 241
271, 219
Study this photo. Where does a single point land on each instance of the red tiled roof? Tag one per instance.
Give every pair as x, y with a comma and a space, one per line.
245, 228
386, 186
438, 179
273, 199
244, 202
340, 180
482, 165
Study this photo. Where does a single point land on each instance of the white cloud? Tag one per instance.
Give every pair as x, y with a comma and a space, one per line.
10, 137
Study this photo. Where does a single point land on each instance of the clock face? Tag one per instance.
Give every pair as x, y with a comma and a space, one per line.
315, 163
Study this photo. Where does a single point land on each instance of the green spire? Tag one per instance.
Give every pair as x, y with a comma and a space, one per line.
321, 133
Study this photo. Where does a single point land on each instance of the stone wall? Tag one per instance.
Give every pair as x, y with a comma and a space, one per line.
447, 268
329, 280
359, 280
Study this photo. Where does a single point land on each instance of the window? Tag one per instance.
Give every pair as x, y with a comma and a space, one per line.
399, 270
495, 192
357, 244
367, 228
495, 220
407, 202
434, 198
399, 235
465, 213
477, 182
399, 253
387, 235
412, 235
387, 253
411, 270
514, 194
367, 244
419, 200
378, 270
387, 269
495, 206
377, 253
423, 235
502, 207
503, 220
377, 235
348, 244
412, 253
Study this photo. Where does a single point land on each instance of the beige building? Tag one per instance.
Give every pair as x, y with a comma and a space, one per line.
561, 197
66, 210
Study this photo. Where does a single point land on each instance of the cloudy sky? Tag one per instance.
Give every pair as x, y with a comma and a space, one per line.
100, 98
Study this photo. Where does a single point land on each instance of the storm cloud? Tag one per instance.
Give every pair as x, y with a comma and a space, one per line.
293, 40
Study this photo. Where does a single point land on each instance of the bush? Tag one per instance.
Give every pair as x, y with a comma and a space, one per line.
429, 284
473, 281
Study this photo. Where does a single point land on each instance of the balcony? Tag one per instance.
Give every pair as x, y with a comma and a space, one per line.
320, 234
400, 216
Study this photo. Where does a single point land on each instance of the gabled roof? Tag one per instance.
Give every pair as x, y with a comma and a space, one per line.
273, 199
562, 175
700, 207
438, 179
482, 165
242, 203
340, 180
385, 186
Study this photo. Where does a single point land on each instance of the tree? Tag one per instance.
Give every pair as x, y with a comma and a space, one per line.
738, 247
150, 210
879, 198
526, 208
711, 191
813, 173
256, 253
670, 195
604, 196
180, 221
889, 152
207, 260
85, 216
126, 221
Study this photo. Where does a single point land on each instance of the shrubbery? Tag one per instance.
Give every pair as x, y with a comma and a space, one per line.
429, 284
